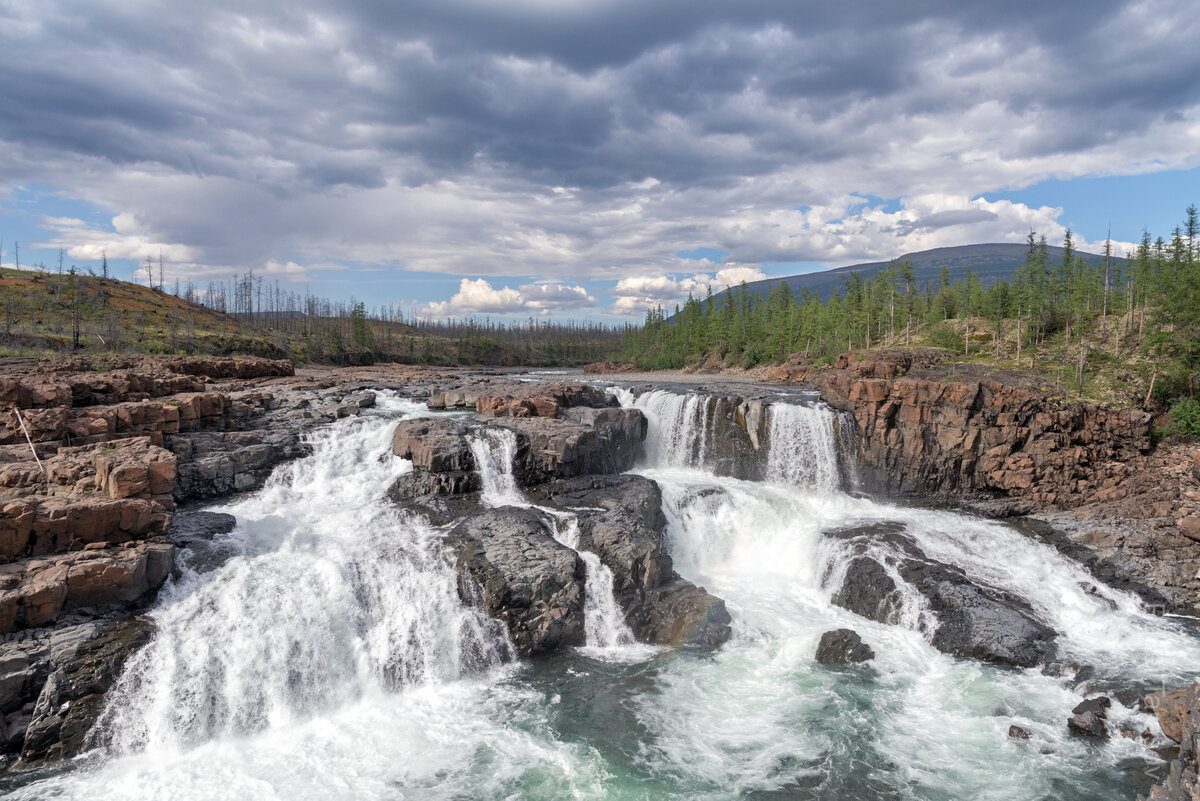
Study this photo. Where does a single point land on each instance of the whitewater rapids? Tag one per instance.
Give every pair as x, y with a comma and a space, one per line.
329, 657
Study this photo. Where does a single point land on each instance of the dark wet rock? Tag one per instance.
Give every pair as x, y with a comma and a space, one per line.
84, 663
601, 441
198, 534
217, 464
620, 432
1089, 718
869, 591
621, 521
978, 621
510, 566
843, 647
597, 441
974, 620
1018, 733
193, 524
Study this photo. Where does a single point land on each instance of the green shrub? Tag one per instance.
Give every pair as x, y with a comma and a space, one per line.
1185, 419
943, 336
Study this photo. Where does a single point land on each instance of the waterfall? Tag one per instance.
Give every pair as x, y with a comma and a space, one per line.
680, 427
333, 593
494, 450
603, 621
802, 447
802, 441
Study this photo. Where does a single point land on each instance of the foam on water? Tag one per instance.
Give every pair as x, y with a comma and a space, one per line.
330, 657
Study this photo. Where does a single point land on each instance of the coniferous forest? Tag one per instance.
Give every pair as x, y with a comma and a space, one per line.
1144, 304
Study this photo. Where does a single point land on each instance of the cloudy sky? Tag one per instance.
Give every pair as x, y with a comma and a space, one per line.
581, 157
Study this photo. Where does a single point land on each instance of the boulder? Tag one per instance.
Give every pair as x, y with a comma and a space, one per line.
511, 567
1016, 732
843, 647
621, 520
973, 619
434, 444
1090, 717
599, 442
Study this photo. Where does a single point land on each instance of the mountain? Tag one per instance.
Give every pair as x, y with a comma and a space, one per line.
992, 261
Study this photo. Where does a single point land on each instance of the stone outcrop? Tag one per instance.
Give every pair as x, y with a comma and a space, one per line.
621, 521
510, 565
927, 437
843, 647
1178, 713
568, 461
34, 592
506, 398
83, 663
926, 428
973, 620
594, 441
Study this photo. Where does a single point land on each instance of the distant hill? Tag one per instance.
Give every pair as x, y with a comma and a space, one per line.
993, 261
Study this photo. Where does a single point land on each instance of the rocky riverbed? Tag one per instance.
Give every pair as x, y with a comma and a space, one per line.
125, 450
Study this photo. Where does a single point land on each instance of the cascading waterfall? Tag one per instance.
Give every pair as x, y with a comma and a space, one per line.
604, 622
494, 450
679, 426
330, 658
802, 447
333, 593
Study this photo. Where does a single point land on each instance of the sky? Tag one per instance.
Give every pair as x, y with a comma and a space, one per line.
581, 158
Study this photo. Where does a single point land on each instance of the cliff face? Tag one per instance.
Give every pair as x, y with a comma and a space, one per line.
1129, 511
924, 437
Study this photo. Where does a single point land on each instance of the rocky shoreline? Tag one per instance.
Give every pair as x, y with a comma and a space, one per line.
91, 526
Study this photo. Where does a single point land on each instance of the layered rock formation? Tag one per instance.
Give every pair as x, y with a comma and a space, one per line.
509, 560
92, 465
1130, 511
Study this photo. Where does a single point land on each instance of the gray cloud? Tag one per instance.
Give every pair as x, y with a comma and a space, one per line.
578, 139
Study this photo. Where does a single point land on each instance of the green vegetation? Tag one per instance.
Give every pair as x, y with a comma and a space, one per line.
1185, 419
1093, 330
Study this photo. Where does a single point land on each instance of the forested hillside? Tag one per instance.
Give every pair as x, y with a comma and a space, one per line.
1141, 311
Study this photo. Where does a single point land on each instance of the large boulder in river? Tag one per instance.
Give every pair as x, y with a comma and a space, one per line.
843, 647
978, 621
974, 619
511, 566
592, 441
621, 521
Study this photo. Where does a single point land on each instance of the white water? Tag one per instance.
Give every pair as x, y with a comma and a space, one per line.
801, 443
494, 450
801, 447
605, 631
680, 429
757, 719
333, 594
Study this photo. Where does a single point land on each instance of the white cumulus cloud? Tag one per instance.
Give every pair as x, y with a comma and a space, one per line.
480, 297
